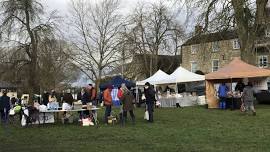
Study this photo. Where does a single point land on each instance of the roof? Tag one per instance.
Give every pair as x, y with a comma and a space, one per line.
238, 69
182, 75
211, 37
134, 69
154, 79
6, 85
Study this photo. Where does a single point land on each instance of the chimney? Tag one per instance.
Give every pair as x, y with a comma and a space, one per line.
267, 9
198, 29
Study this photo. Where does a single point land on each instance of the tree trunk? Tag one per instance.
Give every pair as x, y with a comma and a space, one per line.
98, 80
247, 35
32, 80
151, 64
156, 59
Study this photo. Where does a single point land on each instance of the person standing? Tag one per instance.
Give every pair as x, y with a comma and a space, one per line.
127, 100
4, 107
222, 94
52, 97
120, 91
92, 94
84, 99
85, 96
107, 102
68, 98
239, 86
248, 98
150, 100
45, 98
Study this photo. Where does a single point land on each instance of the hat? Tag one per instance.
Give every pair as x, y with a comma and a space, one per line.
147, 84
110, 87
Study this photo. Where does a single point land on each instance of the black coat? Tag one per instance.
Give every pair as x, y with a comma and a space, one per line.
85, 98
68, 98
79, 96
45, 98
4, 102
150, 95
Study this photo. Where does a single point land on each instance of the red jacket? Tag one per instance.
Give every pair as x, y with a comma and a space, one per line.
92, 94
120, 94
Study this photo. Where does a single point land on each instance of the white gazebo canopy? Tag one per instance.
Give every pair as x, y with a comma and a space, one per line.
181, 75
154, 79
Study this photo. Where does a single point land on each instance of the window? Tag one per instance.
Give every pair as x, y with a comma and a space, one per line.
194, 49
215, 65
267, 32
236, 44
193, 66
263, 61
215, 46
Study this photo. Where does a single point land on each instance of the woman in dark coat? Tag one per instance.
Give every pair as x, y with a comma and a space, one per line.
68, 98
150, 100
127, 100
4, 107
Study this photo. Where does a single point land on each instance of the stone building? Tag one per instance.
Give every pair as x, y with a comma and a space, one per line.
209, 52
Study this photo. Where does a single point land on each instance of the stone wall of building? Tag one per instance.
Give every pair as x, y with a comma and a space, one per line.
205, 55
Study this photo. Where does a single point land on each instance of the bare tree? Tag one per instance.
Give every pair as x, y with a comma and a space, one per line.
55, 67
23, 26
248, 17
96, 38
154, 31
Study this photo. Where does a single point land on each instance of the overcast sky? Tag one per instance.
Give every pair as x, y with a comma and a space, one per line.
63, 5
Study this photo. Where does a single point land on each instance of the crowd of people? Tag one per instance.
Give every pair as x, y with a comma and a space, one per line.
88, 95
245, 92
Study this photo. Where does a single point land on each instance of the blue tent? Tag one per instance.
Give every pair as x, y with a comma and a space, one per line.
116, 83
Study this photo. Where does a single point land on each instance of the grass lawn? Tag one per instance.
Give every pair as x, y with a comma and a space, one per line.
190, 129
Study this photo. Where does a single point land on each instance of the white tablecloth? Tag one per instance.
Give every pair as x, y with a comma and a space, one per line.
183, 101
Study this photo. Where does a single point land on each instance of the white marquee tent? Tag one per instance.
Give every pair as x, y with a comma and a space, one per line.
154, 79
181, 75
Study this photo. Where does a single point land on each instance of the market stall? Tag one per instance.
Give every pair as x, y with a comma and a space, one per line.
233, 72
183, 76
183, 100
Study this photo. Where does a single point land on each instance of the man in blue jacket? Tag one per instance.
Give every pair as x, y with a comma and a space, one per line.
222, 94
4, 107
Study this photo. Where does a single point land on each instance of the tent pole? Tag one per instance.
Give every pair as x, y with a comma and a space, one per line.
231, 95
137, 96
176, 88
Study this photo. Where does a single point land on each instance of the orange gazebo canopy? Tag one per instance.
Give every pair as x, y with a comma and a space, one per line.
238, 69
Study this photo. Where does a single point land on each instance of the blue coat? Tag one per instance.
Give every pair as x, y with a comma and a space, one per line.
223, 90
4, 102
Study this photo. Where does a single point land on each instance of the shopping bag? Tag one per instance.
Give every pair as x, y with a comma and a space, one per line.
146, 115
242, 108
12, 112
87, 122
102, 104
